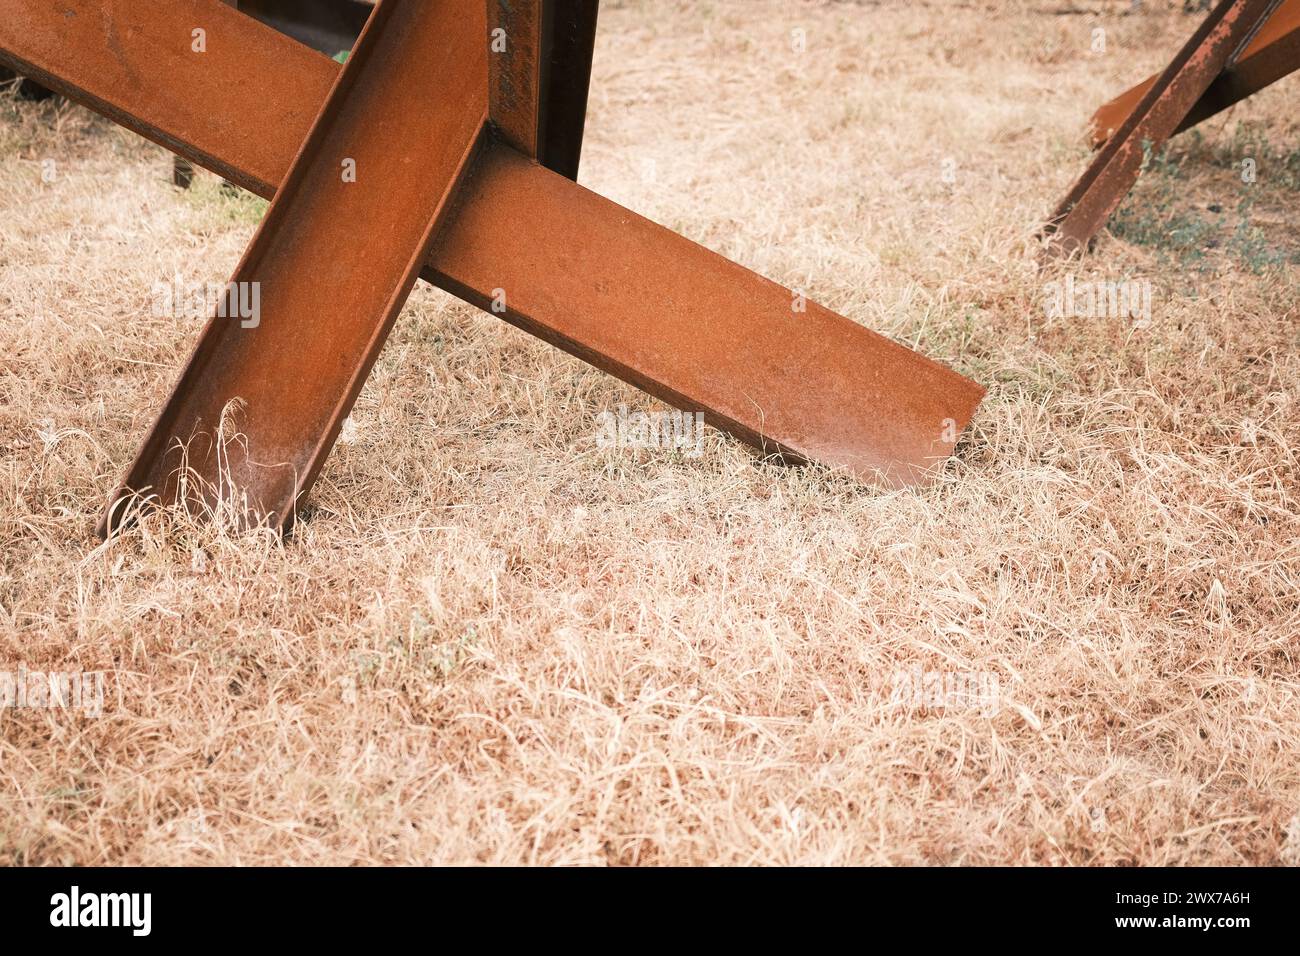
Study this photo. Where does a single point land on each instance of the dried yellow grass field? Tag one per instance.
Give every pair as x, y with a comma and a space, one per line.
493, 640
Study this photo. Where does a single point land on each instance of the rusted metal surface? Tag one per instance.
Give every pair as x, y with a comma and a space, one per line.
183, 169
697, 330
1117, 165
330, 26
539, 69
208, 107
260, 403
592, 278
519, 44
1273, 53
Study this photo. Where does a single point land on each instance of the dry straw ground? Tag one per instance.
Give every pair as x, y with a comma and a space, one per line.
494, 641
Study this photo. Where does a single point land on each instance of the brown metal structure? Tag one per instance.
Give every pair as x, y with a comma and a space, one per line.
579, 271
1224, 34
539, 69
371, 184
519, 41
1273, 54
546, 49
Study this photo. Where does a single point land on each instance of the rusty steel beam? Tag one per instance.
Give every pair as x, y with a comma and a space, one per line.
183, 169
539, 68
681, 322
207, 107
260, 404
699, 331
519, 41
1116, 167
1272, 54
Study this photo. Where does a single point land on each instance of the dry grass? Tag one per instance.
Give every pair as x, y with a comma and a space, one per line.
493, 641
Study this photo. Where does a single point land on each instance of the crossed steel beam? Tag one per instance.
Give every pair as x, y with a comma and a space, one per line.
257, 409
1242, 46
330, 26
626, 295
1272, 54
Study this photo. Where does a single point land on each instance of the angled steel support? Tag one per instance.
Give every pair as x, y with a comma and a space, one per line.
260, 403
1272, 54
519, 41
579, 271
539, 68
697, 330
1227, 30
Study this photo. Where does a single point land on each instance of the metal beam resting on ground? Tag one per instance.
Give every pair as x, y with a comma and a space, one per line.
1227, 30
631, 297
